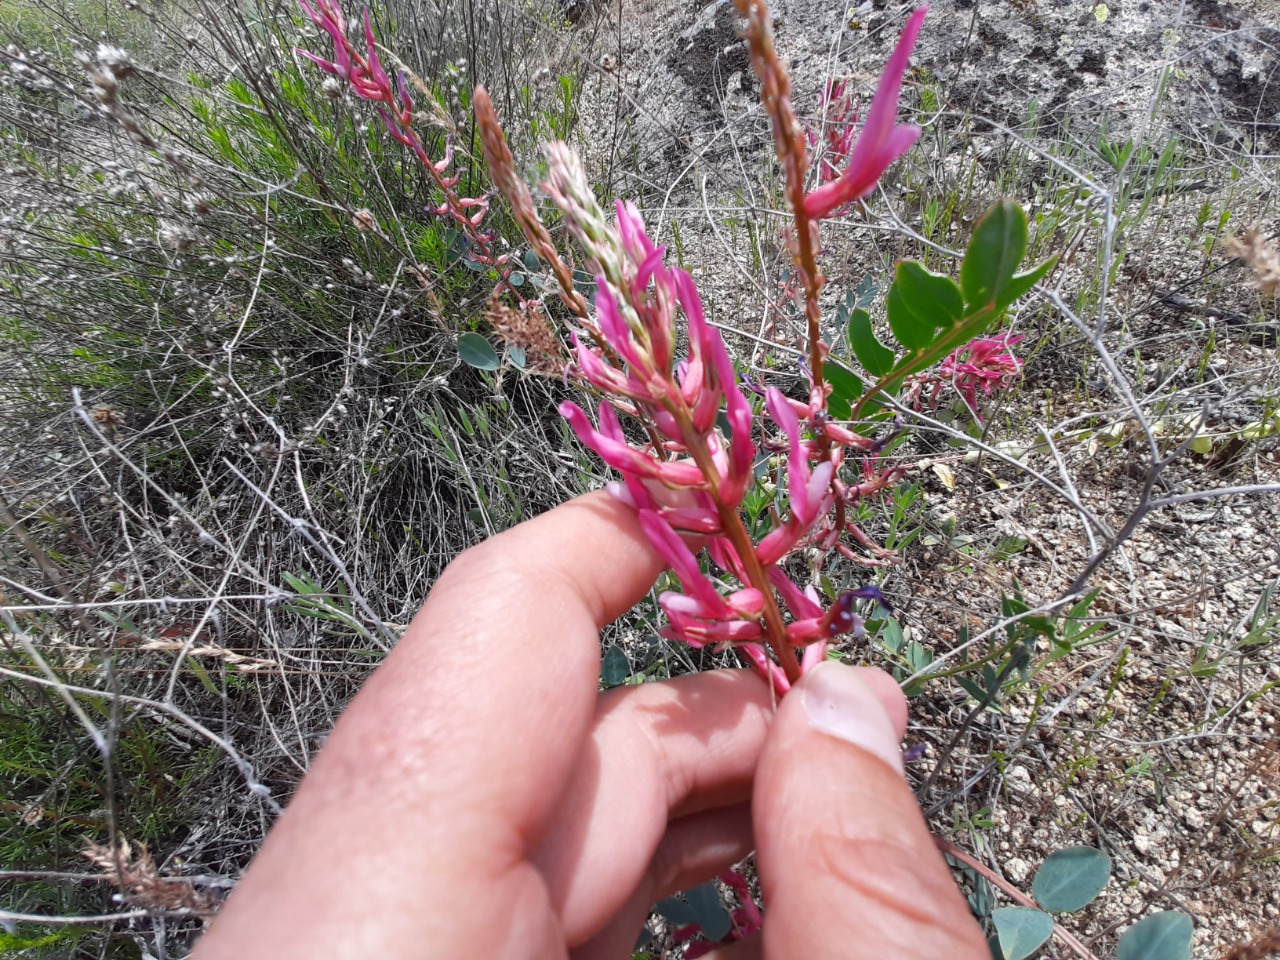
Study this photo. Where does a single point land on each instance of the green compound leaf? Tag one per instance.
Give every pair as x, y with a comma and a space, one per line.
931, 316
1021, 930
1161, 936
919, 303
871, 353
475, 351
1069, 879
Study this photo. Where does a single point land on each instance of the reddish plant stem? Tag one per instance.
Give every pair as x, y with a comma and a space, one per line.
736, 534
951, 850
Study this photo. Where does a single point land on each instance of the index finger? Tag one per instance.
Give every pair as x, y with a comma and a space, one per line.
447, 762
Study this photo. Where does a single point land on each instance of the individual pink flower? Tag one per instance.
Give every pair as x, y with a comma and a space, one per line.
881, 140
986, 362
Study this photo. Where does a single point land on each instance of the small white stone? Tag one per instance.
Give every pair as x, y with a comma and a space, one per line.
1017, 869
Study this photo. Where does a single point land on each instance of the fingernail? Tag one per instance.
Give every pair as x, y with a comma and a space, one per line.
840, 705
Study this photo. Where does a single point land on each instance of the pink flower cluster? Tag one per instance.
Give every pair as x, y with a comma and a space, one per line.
985, 364
689, 480
369, 81
839, 124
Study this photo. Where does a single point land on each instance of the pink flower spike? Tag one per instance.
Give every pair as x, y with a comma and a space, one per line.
880, 142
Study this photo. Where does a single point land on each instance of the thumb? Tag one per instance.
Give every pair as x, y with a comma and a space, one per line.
847, 864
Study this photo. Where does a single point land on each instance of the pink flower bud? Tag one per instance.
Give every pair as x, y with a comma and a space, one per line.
880, 142
814, 654
778, 543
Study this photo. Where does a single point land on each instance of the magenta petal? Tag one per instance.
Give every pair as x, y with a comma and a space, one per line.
631, 227
682, 604
648, 266
802, 607
760, 660
879, 141
776, 544
747, 602
693, 521
614, 452
814, 492
615, 330
325, 65
622, 493
682, 561
899, 141
597, 372
884, 106
814, 654
376, 71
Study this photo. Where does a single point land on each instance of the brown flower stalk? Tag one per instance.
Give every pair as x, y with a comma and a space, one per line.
790, 145
528, 330
502, 168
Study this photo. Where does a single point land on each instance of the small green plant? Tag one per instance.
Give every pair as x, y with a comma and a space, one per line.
1068, 881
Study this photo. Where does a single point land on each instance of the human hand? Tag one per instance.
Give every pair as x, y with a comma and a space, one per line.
479, 798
